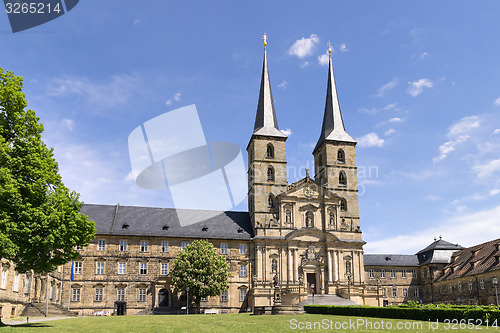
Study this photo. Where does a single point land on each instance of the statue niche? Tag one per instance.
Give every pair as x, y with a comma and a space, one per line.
309, 219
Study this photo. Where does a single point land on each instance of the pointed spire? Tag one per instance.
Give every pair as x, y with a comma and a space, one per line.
333, 125
266, 122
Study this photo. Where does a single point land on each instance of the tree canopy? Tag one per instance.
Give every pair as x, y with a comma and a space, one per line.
200, 268
40, 219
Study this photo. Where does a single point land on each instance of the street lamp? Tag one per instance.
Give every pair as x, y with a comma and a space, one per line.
187, 300
495, 284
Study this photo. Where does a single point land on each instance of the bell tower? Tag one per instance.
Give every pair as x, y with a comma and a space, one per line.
267, 176
335, 157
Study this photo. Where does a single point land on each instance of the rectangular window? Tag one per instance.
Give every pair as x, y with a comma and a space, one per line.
470, 285
223, 296
98, 295
415, 292
142, 295
394, 292
101, 245
384, 293
184, 245
120, 294
393, 274
382, 274
243, 271
423, 274
459, 287
243, 249
403, 273
77, 268
243, 295
143, 268
99, 268
481, 284
372, 273
164, 269
223, 248
123, 245
414, 273
164, 247
441, 292
405, 292
121, 268
450, 289
75, 295
144, 246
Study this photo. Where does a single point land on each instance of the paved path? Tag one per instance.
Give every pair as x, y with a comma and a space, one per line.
22, 320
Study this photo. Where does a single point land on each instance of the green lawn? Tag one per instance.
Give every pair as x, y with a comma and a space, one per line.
229, 323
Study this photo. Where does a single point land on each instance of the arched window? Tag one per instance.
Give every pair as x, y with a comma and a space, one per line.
270, 151
340, 156
342, 178
270, 201
270, 174
343, 205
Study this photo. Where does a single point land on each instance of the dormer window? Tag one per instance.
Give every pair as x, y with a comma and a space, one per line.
270, 151
165, 227
125, 226
340, 156
342, 179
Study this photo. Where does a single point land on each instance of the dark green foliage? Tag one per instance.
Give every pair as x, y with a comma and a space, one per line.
40, 219
427, 312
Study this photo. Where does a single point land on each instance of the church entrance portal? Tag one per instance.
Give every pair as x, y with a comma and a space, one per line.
163, 297
121, 308
311, 283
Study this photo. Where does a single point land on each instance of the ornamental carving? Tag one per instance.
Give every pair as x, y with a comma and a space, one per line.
310, 255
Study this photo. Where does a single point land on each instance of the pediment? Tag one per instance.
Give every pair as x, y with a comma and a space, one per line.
311, 235
307, 188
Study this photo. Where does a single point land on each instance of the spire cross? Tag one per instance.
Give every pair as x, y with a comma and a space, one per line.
264, 37
329, 47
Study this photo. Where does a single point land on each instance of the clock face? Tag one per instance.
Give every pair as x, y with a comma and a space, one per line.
308, 192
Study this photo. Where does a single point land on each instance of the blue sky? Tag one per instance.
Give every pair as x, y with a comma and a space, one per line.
417, 82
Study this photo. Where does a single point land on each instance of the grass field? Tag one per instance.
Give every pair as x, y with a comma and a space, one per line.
234, 323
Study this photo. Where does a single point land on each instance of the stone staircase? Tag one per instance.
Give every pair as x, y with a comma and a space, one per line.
326, 300
36, 309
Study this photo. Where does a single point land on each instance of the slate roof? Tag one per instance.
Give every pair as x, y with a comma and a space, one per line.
441, 244
149, 221
390, 260
473, 260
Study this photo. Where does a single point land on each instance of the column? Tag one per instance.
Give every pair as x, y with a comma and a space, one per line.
329, 267
321, 281
361, 267
264, 277
341, 266
335, 266
258, 271
355, 269
289, 262
295, 266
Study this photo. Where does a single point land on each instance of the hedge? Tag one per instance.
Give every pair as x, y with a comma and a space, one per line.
425, 313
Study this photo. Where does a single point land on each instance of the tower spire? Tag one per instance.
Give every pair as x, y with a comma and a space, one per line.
266, 122
333, 125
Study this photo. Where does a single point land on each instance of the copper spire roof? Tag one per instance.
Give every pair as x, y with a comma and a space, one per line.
333, 125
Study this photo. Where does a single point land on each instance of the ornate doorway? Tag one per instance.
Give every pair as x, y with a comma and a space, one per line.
311, 283
163, 297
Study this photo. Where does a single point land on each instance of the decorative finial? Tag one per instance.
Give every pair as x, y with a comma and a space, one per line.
329, 47
264, 37
435, 239
307, 173
440, 237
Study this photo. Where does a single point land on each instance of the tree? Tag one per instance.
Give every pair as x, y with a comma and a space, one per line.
40, 219
199, 268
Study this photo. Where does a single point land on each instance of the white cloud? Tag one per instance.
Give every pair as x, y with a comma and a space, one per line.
177, 97
369, 111
495, 191
497, 131
168, 102
466, 229
137, 21
343, 47
304, 64
390, 131
396, 120
417, 87
464, 126
497, 101
324, 59
487, 169
287, 132
370, 140
304, 46
386, 87
283, 85
432, 197
423, 55
391, 107
448, 147
68, 123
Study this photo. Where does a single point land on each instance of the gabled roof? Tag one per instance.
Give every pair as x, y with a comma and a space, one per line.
441, 244
390, 260
473, 260
149, 221
266, 122
333, 125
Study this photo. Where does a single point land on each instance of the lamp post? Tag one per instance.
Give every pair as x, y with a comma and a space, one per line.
495, 284
187, 300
